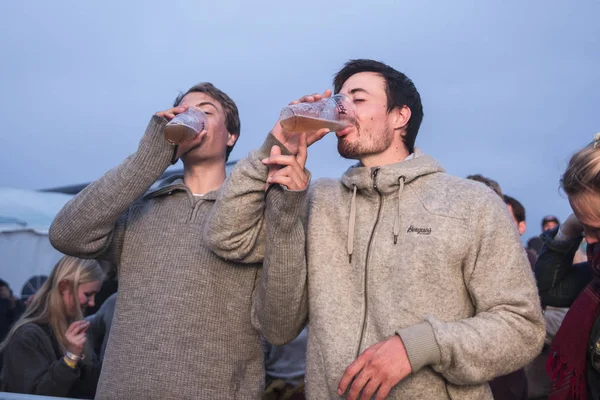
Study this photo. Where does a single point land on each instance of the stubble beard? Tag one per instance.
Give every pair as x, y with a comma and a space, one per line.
365, 144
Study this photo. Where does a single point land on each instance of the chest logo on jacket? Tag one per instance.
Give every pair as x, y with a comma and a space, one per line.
419, 231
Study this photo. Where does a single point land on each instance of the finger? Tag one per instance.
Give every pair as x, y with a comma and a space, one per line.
280, 160
383, 392
275, 151
359, 383
370, 389
302, 152
327, 93
288, 182
75, 325
79, 340
298, 178
350, 373
316, 96
81, 327
316, 136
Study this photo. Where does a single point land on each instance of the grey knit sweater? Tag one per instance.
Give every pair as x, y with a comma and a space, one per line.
181, 327
403, 249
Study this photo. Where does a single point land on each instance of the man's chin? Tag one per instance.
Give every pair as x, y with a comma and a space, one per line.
348, 151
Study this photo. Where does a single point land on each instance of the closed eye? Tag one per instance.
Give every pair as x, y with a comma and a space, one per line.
359, 100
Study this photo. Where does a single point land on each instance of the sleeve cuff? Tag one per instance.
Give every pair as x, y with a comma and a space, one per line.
420, 344
269, 142
154, 146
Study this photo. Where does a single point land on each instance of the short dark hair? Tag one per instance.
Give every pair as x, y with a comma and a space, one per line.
232, 116
3, 283
492, 184
400, 92
550, 218
517, 207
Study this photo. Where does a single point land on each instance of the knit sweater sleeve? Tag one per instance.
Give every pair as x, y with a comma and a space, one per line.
235, 229
507, 329
281, 302
32, 368
92, 224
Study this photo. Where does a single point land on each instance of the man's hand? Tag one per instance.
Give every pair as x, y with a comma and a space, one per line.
378, 369
291, 141
172, 112
288, 171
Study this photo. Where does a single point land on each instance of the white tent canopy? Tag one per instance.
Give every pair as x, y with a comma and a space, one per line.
25, 251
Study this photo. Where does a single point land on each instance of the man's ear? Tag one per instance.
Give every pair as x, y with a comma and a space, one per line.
522, 227
400, 117
233, 137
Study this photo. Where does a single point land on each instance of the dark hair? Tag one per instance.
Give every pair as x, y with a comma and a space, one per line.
3, 283
549, 218
492, 184
400, 91
232, 116
517, 207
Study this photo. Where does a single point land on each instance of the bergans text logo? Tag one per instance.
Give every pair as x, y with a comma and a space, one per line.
419, 231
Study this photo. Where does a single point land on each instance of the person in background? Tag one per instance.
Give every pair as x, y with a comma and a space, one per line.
492, 184
46, 352
517, 211
100, 324
574, 357
549, 222
11, 309
109, 287
285, 368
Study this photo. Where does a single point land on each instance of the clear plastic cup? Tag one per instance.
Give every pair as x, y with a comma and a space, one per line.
334, 113
186, 126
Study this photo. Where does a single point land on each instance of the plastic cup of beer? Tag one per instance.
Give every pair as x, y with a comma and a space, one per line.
334, 113
186, 126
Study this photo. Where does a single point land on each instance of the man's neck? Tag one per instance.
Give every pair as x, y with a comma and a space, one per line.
392, 155
204, 178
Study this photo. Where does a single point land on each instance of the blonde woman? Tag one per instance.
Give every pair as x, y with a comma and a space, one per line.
574, 361
46, 352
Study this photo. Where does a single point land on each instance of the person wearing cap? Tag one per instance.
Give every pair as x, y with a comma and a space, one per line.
549, 222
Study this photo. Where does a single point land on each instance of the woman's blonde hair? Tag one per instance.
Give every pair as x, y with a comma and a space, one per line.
583, 173
47, 306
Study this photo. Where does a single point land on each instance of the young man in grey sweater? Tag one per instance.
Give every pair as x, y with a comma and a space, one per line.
414, 282
181, 328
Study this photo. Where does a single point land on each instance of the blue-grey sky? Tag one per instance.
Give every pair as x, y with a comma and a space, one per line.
510, 88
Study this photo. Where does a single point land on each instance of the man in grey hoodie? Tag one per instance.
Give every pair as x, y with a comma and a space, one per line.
414, 281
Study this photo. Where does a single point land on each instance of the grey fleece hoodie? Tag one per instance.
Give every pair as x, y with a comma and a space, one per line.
402, 249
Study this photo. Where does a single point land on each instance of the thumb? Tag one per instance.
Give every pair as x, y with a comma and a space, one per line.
275, 151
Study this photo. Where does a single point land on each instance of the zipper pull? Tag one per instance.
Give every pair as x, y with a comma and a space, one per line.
375, 172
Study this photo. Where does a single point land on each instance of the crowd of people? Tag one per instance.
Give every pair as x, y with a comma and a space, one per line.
396, 281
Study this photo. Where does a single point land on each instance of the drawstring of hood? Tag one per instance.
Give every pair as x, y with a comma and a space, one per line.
385, 183
396, 230
351, 224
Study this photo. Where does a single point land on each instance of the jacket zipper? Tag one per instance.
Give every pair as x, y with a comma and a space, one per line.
364, 321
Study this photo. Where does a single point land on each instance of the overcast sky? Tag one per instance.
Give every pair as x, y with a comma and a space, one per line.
510, 88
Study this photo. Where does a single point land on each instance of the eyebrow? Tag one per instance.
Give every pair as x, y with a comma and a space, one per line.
358, 90
206, 103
